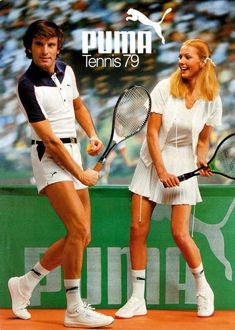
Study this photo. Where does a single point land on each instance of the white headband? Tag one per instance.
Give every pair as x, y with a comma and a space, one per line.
209, 59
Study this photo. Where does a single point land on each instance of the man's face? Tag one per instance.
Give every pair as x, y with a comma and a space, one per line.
44, 52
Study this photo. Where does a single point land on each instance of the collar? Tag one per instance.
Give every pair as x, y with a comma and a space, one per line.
36, 71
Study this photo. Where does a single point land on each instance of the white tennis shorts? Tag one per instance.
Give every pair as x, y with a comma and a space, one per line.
46, 171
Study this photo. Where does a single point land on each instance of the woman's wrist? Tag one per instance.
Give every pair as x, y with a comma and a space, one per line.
160, 171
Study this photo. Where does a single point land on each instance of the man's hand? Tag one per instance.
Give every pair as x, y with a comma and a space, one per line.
89, 177
95, 146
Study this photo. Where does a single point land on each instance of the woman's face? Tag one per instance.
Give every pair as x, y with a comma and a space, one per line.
190, 63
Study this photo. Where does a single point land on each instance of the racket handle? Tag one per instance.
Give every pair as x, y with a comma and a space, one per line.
98, 166
181, 178
186, 176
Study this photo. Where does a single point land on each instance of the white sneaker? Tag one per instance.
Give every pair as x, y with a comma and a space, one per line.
86, 317
133, 307
205, 303
19, 300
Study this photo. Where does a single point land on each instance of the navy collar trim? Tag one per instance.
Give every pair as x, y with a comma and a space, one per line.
59, 70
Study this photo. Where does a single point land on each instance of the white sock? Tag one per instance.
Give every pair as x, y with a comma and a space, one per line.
200, 279
73, 296
29, 281
138, 283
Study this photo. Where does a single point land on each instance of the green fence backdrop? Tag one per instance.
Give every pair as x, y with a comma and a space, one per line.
28, 225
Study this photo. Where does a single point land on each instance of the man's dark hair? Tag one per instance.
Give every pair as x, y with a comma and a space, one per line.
41, 28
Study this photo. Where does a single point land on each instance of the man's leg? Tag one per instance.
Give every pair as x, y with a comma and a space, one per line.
74, 210
21, 288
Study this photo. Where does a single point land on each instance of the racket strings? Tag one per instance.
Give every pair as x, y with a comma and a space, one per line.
132, 111
224, 161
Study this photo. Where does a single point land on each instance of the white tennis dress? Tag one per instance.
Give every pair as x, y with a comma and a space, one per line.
182, 127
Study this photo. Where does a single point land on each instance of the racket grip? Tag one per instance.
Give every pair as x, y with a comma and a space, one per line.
186, 176
180, 177
98, 166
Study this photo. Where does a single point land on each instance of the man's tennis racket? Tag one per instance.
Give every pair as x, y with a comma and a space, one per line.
129, 117
222, 162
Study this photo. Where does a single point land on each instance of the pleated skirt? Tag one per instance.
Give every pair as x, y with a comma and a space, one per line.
145, 181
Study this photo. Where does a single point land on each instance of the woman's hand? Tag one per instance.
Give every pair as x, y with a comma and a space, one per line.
205, 171
169, 180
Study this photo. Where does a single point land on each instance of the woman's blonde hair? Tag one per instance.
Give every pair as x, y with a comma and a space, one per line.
207, 83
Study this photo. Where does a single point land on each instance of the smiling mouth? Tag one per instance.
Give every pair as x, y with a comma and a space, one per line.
184, 72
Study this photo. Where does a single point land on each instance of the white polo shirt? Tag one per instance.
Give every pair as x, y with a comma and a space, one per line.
44, 96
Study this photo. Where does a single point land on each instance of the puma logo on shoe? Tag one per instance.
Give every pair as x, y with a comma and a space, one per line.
52, 174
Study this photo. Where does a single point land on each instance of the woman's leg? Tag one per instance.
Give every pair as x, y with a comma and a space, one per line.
141, 211
180, 219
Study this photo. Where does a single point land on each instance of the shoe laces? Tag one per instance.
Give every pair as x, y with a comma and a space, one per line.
202, 301
26, 298
26, 302
131, 301
88, 306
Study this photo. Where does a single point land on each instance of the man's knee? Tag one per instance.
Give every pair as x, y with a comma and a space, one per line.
79, 233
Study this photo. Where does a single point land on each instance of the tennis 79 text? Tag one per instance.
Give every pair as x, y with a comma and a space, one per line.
112, 62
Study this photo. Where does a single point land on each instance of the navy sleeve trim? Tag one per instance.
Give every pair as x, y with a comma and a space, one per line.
29, 101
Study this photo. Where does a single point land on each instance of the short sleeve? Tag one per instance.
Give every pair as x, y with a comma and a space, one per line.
159, 96
28, 101
215, 115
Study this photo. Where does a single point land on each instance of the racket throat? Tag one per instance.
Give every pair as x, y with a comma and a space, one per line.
99, 165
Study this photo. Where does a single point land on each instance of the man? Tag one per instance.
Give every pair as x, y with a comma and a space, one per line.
48, 95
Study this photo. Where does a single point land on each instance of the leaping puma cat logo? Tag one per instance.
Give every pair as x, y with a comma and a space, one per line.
136, 15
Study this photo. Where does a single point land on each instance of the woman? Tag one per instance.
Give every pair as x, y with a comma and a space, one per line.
185, 109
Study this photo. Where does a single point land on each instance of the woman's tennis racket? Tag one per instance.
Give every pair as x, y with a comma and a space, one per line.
129, 117
222, 162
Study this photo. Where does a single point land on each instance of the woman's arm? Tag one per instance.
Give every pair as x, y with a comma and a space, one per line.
202, 149
154, 124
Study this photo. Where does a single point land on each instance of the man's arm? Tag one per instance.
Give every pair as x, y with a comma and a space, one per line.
56, 149
83, 117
